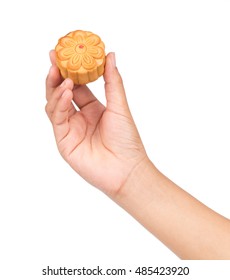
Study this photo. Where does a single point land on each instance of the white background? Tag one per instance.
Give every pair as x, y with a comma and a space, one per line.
174, 57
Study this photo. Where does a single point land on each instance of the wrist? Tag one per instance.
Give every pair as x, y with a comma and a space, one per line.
137, 192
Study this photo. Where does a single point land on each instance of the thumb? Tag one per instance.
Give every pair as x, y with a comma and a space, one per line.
114, 88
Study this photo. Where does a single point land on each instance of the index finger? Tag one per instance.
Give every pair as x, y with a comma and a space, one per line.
54, 77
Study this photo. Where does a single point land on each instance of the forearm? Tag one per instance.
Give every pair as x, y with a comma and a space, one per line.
185, 225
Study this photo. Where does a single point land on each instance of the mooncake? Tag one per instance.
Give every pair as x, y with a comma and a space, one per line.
80, 56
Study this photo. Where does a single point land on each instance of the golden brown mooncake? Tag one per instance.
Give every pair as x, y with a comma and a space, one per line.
80, 56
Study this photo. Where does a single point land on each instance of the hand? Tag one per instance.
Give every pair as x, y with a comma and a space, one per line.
100, 143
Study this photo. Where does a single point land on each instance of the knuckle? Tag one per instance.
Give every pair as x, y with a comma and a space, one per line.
53, 117
47, 109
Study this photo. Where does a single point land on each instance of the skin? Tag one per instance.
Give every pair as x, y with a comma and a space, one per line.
102, 144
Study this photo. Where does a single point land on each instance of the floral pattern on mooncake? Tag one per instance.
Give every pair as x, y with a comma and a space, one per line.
80, 55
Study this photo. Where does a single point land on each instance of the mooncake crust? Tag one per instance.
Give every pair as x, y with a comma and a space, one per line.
80, 56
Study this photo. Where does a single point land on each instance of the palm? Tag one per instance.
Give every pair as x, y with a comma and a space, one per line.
99, 147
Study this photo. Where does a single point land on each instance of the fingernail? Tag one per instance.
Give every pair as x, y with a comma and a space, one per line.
113, 59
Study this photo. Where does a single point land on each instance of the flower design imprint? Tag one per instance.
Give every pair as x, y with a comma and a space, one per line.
80, 48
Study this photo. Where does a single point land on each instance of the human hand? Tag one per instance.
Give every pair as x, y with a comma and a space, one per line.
100, 143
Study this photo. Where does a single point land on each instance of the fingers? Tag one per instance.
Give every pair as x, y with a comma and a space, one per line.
60, 114
60, 108
56, 95
53, 57
114, 88
60, 117
54, 77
